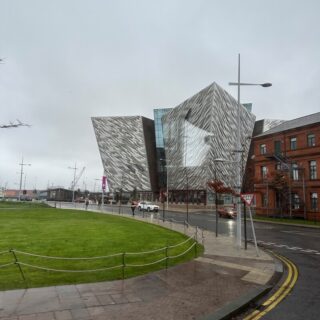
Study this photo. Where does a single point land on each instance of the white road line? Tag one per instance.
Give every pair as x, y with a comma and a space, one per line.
287, 247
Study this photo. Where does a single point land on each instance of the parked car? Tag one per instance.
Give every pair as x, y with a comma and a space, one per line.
145, 205
227, 212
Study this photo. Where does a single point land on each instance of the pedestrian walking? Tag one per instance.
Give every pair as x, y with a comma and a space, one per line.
133, 207
87, 203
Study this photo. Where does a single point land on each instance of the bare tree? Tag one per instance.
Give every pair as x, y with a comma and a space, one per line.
14, 125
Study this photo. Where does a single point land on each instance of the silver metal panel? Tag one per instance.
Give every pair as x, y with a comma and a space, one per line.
198, 131
123, 152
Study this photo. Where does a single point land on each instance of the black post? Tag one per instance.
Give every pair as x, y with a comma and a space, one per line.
216, 199
167, 256
18, 264
162, 210
123, 264
120, 196
187, 196
216, 196
245, 225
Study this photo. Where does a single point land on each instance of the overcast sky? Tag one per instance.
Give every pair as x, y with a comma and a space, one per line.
66, 61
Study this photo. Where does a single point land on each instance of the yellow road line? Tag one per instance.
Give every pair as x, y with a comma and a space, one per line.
280, 294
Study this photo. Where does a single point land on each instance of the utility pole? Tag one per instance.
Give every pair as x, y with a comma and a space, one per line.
21, 174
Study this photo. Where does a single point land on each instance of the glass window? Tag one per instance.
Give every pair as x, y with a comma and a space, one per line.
311, 140
314, 201
295, 172
264, 172
277, 147
264, 200
313, 169
263, 149
293, 143
295, 201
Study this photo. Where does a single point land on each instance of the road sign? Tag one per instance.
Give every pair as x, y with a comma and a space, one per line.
247, 198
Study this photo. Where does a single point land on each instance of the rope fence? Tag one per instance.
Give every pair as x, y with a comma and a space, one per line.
164, 251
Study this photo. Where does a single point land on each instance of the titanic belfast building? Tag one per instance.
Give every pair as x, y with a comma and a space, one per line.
178, 152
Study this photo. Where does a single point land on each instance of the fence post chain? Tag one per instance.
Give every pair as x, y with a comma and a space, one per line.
184, 226
197, 233
195, 250
123, 264
17, 263
167, 257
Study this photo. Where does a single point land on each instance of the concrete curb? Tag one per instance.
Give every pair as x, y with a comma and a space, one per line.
239, 304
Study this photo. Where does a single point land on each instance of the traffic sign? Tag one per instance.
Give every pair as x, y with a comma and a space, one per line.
247, 198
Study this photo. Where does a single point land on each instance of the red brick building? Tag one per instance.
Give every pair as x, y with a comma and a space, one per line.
287, 169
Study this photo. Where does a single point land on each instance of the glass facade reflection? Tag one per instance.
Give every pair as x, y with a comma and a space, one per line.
160, 151
201, 130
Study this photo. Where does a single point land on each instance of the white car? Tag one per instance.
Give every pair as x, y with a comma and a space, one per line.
145, 205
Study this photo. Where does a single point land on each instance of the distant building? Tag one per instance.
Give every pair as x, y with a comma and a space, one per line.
178, 150
286, 169
201, 143
59, 194
128, 153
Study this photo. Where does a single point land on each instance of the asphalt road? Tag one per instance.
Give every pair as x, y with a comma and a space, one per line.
299, 244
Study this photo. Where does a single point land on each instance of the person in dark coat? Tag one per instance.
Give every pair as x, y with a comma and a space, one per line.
133, 207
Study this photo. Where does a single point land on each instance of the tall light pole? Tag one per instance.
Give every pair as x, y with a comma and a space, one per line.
21, 174
239, 147
74, 179
186, 118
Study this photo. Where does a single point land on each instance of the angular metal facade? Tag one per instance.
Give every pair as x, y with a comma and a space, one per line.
127, 149
200, 130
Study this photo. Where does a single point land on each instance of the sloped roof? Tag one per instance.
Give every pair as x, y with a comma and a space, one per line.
292, 124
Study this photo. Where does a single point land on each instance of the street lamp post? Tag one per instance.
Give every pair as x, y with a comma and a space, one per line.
238, 84
21, 174
186, 118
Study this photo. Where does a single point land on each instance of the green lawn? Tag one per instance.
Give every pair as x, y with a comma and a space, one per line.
71, 233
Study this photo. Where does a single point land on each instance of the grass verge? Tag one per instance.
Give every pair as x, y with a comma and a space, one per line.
288, 220
71, 233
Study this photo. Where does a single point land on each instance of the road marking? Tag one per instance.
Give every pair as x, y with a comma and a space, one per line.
280, 294
287, 247
294, 232
309, 251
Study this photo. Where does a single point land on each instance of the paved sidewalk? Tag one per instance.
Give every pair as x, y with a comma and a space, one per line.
193, 290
